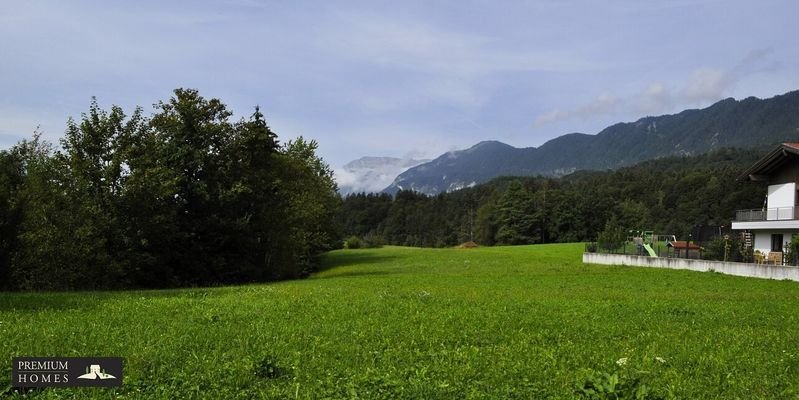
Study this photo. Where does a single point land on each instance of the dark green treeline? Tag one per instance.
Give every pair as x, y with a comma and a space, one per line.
679, 195
184, 197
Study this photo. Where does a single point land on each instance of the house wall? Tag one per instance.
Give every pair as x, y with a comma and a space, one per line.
729, 268
762, 240
781, 195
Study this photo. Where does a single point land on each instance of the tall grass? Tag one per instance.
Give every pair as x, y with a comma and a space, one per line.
502, 322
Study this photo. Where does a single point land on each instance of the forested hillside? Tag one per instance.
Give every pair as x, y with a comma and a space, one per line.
185, 197
676, 195
748, 123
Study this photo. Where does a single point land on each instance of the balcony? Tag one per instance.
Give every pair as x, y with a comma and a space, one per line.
769, 214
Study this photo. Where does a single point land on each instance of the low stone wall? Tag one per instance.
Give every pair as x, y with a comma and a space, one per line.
730, 268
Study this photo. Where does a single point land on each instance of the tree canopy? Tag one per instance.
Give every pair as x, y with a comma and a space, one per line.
183, 197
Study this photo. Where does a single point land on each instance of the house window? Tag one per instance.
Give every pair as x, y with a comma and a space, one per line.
776, 242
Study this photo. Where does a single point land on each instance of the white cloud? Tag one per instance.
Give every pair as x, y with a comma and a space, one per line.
603, 104
345, 178
708, 84
552, 116
371, 175
704, 85
433, 64
654, 99
414, 45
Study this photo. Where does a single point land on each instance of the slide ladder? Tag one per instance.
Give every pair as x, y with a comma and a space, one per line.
650, 250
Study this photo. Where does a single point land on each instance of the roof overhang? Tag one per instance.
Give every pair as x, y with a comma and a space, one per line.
775, 225
761, 170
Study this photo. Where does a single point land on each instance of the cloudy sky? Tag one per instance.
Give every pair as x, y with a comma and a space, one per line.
398, 78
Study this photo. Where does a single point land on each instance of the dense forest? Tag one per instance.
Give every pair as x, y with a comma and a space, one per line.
684, 196
184, 197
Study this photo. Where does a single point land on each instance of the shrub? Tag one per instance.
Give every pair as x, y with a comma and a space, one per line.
353, 242
621, 384
612, 237
726, 248
601, 386
792, 256
373, 240
715, 249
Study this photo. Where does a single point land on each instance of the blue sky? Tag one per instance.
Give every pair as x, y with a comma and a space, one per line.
398, 78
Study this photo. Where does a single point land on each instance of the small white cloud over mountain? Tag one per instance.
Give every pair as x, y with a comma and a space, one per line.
371, 174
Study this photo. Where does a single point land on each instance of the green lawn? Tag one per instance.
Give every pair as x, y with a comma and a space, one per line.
503, 322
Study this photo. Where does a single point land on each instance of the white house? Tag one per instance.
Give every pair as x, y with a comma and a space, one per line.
772, 226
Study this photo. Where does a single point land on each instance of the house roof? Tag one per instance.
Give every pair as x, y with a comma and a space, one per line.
760, 170
682, 244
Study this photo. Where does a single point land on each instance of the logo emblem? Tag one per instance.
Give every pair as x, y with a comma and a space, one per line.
66, 372
94, 372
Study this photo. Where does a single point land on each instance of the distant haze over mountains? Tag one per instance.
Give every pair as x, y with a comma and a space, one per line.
751, 122
371, 174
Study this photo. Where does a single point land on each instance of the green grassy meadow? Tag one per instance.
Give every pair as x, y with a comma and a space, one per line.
503, 322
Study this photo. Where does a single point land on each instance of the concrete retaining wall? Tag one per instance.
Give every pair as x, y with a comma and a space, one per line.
729, 268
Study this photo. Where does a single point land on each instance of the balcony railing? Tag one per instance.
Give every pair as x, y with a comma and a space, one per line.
768, 214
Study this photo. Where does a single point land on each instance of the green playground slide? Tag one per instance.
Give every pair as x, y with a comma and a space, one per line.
650, 250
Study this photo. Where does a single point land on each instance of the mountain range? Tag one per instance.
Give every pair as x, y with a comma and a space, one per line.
746, 123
